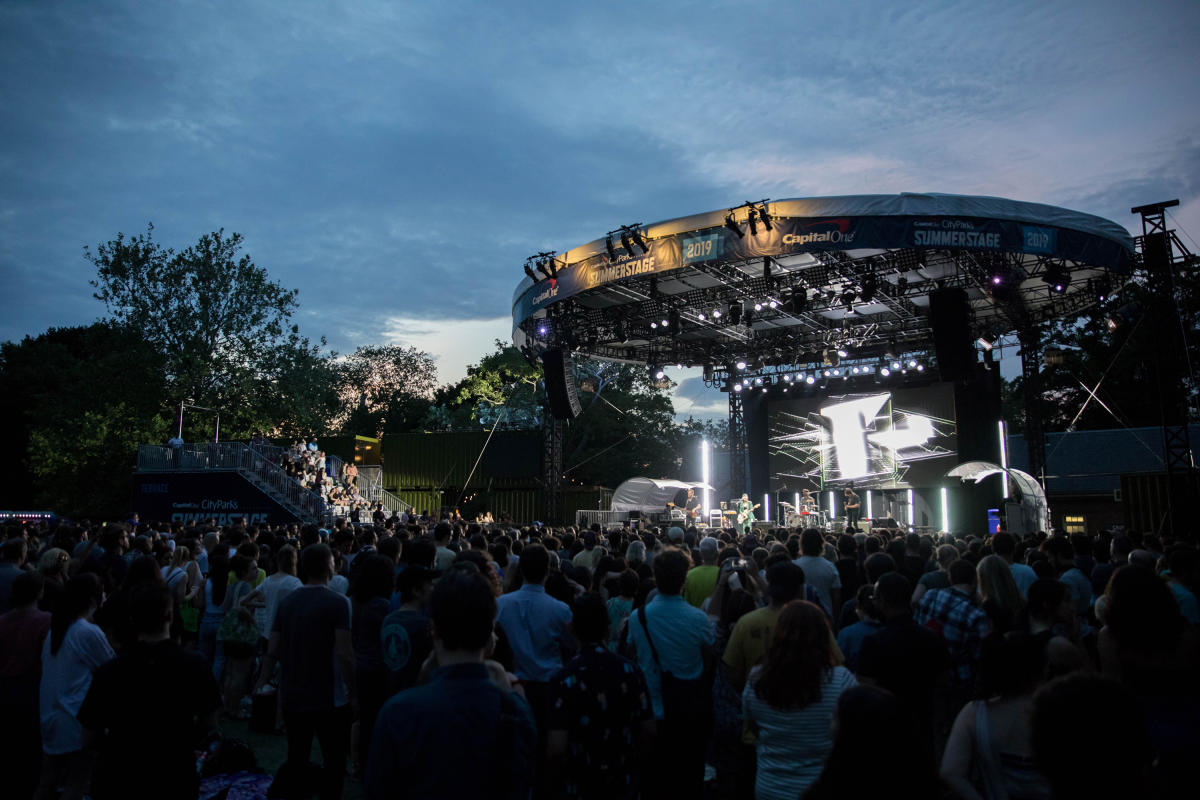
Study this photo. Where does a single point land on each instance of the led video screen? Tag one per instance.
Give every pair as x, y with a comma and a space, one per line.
884, 439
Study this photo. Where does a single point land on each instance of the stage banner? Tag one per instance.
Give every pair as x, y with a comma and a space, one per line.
196, 497
790, 236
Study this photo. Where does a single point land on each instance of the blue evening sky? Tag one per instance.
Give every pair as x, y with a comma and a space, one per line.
397, 161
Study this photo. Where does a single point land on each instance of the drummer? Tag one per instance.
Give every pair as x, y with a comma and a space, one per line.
808, 503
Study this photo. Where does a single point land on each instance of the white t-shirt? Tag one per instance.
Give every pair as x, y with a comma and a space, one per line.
66, 678
823, 576
274, 589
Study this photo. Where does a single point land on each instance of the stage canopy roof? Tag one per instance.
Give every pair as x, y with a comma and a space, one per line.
785, 282
648, 494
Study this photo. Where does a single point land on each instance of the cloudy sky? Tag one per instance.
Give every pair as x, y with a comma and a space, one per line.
396, 162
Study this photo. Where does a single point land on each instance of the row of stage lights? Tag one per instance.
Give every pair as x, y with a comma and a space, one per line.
809, 378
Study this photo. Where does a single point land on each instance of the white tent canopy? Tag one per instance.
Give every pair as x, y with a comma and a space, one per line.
649, 494
1034, 510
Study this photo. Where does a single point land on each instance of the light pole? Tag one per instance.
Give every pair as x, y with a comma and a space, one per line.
216, 432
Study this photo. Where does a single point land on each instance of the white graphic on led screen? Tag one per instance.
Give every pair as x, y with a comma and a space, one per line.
861, 439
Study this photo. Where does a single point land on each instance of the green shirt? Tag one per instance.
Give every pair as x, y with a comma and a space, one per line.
700, 583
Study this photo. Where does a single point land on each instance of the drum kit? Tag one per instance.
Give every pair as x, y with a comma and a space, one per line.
807, 516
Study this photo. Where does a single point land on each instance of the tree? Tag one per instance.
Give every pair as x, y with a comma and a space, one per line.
502, 387
77, 402
221, 325
384, 389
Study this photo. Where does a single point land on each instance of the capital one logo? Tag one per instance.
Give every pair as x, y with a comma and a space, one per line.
853, 431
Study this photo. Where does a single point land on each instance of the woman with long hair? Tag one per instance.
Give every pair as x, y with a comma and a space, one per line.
72, 651
789, 702
214, 598
53, 567
998, 593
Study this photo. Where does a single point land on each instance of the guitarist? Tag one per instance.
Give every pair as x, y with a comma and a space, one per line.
745, 514
853, 509
690, 507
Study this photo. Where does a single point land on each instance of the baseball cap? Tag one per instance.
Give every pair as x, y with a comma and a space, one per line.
709, 546
675, 533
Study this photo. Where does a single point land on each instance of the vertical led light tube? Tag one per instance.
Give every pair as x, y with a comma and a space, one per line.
945, 510
829, 511
870, 510
767, 506
797, 502
704, 459
1004, 456
910, 510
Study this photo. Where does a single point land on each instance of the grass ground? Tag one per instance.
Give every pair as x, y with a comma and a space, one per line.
271, 751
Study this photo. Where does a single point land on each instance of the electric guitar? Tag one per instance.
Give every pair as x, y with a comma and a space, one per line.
745, 515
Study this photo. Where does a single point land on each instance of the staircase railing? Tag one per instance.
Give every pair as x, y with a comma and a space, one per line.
235, 457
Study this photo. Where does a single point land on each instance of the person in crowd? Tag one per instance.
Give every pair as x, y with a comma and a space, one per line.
592, 552
874, 566
272, 591
848, 566
670, 636
1053, 624
371, 591
938, 578
998, 594
751, 634
1070, 715
23, 630
1182, 581
138, 693
422, 732
318, 692
1062, 557
12, 563
239, 655
850, 638
621, 606
53, 565
74, 649
992, 738
702, 579
789, 702
600, 721
1004, 544
819, 572
1119, 552
953, 614
871, 720
1149, 647
406, 637
906, 659
445, 556
215, 586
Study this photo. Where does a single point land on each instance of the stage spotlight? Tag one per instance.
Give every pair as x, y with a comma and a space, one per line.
841, 353
619, 333
787, 378
902, 286
767, 270
848, 298
673, 322
920, 367
653, 326
626, 242
732, 225
895, 365
810, 380
773, 304
665, 322
543, 328
752, 218
639, 241
797, 301
758, 306
912, 364
658, 373
702, 316
856, 370
532, 275
765, 218
885, 370
741, 365
987, 341
758, 381
1057, 276
608, 245
735, 313
737, 387
716, 313
748, 317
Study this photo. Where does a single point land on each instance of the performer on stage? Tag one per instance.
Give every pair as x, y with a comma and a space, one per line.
853, 510
745, 514
807, 501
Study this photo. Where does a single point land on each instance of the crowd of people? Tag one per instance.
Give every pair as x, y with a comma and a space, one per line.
334, 481
439, 659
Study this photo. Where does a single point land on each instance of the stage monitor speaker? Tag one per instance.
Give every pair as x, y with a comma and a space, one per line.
950, 317
560, 384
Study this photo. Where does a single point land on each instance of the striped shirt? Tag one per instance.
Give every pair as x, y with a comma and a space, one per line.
793, 743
